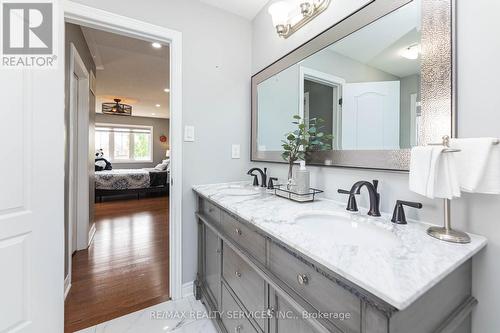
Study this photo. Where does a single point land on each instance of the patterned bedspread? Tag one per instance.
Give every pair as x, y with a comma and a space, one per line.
121, 179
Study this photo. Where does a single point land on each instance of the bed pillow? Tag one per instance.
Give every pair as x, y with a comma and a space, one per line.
161, 167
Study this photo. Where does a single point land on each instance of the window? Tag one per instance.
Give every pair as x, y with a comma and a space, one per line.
124, 143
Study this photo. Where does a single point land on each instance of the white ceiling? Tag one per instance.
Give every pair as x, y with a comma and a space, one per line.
246, 8
130, 69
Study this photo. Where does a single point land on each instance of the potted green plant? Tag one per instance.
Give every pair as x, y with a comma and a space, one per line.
299, 143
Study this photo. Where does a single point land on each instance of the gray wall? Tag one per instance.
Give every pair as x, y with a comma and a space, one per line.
478, 115
160, 127
74, 35
216, 72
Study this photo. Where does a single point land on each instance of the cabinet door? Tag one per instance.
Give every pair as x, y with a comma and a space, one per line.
211, 256
287, 319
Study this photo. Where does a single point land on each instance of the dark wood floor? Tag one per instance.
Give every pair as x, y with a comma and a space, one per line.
126, 267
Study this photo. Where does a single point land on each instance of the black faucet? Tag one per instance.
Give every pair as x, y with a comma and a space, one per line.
398, 216
263, 175
372, 191
352, 206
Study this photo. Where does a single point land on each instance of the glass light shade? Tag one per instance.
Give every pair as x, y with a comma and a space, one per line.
279, 12
411, 52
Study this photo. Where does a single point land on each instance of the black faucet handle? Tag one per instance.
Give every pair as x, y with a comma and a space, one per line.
398, 216
375, 184
270, 184
255, 180
352, 206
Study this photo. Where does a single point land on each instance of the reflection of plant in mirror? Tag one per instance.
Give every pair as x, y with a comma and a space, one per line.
305, 139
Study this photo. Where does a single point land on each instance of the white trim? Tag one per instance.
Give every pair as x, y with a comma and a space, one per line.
326, 79
78, 144
103, 20
187, 289
67, 285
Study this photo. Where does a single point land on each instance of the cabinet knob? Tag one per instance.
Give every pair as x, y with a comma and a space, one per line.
238, 329
237, 274
237, 231
218, 251
302, 279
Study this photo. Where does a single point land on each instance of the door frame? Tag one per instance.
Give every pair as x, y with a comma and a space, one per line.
99, 19
79, 158
329, 80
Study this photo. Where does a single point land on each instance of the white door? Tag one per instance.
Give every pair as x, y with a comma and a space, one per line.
32, 198
370, 115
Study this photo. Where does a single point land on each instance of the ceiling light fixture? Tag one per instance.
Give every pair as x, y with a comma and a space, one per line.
117, 108
157, 105
411, 52
166, 90
288, 20
153, 114
156, 45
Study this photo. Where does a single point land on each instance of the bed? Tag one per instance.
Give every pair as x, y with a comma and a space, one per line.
130, 181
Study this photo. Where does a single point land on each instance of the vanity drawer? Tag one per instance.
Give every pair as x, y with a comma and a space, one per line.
233, 317
245, 282
248, 239
210, 210
323, 294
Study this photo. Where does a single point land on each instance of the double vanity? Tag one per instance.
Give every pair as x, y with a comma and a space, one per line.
267, 264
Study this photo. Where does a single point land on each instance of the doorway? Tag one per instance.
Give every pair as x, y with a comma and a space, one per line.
79, 14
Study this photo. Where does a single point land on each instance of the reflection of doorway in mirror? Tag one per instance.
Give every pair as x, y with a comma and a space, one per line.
321, 97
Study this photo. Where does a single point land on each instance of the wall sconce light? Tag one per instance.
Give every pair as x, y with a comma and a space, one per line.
288, 20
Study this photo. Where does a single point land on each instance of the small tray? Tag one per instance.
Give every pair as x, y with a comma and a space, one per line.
282, 191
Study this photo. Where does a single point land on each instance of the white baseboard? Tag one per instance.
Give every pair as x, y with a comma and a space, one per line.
187, 289
67, 286
91, 233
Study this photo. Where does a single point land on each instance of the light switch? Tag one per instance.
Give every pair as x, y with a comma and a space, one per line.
189, 133
235, 151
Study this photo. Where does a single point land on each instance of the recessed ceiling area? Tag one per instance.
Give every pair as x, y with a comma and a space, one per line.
245, 8
132, 70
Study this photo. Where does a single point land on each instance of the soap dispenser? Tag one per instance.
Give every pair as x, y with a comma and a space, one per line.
302, 179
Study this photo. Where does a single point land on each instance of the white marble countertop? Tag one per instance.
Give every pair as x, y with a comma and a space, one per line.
398, 274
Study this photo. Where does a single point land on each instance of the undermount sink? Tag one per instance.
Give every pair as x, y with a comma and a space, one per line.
343, 230
240, 191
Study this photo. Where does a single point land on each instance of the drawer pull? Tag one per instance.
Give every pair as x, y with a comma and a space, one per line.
302, 279
238, 231
237, 274
238, 329
218, 251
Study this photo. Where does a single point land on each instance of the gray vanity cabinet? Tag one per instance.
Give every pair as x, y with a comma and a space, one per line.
286, 319
211, 264
257, 284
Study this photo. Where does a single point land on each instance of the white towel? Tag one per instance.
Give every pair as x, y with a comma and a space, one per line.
433, 173
478, 165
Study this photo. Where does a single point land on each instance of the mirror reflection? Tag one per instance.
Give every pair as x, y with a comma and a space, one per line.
365, 88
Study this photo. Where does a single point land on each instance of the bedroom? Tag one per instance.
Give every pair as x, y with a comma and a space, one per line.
118, 158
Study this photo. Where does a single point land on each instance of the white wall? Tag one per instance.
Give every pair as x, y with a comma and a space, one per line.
479, 115
216, 94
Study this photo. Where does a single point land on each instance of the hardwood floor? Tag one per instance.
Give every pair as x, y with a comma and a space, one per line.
126, 267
